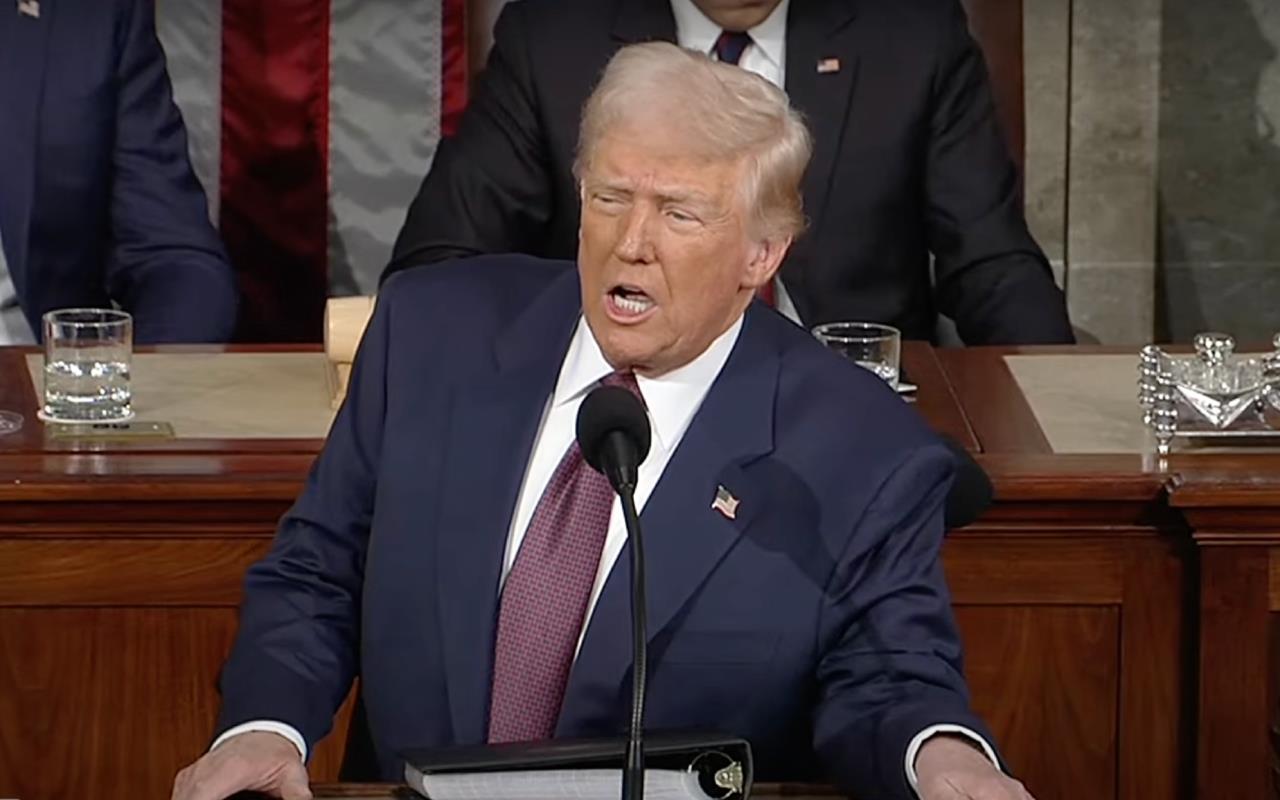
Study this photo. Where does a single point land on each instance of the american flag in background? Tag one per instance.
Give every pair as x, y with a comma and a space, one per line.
312, 123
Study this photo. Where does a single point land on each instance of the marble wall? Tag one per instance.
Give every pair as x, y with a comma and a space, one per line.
1153, 163
1219, 169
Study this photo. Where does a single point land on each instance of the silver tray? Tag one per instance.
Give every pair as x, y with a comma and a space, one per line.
1250, 425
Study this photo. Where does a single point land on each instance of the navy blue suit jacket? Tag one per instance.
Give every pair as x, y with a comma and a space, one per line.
98, 202
816, 624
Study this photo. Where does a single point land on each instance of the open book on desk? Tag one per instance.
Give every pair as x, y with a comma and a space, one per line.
677, 767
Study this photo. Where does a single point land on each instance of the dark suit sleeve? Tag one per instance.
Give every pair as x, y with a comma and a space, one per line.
488, 190
992, 278
168, 267
891, 667
295, 653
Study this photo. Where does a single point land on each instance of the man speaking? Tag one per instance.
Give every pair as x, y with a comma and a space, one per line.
453, 550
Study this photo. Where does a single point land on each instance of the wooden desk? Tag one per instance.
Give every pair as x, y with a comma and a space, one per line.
120, 572
1234, 510
1220, 531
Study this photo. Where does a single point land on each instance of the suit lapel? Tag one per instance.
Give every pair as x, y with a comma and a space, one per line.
817, 32
23, 47
685, 538
494, 419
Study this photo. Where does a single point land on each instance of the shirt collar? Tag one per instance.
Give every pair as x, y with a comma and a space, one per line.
696, 31
771, 35
671, 399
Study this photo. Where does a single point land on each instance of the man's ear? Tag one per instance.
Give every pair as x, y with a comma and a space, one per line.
766, 257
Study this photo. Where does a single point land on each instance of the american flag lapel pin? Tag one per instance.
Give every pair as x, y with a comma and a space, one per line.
826, 66
29, 8
725, 503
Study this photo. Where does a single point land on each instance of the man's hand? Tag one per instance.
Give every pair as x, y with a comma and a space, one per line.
949, 768
256, 761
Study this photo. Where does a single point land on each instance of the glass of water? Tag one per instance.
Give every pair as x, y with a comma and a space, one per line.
87, 357
870, 345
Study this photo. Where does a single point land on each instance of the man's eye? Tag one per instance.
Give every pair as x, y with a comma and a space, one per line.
680, 216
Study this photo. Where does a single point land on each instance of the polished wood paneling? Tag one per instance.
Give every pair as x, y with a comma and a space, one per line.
935, 400
1273, 594
1273, 703
1156, 652
1130, 575
998, 412
1234, 753
110, 701
1233, 506
986, 569
102, 702
1048, 675
134, 572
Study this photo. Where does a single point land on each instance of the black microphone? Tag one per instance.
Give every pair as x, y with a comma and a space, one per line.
613, 435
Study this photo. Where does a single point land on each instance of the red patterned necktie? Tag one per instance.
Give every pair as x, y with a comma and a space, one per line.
544, 599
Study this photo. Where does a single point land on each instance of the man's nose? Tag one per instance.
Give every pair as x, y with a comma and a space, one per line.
636, 242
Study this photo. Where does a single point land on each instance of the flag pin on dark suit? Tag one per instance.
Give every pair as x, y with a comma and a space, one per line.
725, 503
29, 8
826, 66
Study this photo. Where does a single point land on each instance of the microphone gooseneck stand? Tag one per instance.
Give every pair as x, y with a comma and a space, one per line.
633, 775
613, 434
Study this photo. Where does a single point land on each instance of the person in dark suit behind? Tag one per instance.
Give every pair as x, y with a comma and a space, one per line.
453, 549
909, 157
98, 202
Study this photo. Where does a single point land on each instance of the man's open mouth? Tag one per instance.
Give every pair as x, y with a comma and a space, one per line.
629, 300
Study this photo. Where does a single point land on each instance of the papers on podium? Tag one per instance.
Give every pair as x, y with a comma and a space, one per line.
679, 767
556, 784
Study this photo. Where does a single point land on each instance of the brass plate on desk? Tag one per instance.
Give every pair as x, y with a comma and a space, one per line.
131, 431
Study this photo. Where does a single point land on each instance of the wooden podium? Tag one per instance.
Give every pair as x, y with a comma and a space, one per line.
762, 791
1107, 601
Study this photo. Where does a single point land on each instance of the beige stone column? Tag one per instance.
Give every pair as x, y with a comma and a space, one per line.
1112, 163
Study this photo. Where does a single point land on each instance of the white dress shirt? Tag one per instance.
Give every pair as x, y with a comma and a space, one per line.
14, 328
766, 57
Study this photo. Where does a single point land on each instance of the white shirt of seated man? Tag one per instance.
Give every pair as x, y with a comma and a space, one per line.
672, 227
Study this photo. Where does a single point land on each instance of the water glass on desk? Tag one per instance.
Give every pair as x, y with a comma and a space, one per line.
88, 354
870, 345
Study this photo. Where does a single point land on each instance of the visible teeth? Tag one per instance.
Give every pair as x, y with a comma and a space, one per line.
632, 305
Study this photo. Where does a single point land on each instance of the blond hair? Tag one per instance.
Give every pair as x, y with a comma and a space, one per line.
726, 113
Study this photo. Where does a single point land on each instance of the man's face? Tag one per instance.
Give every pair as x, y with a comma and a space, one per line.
737, 15
666, 260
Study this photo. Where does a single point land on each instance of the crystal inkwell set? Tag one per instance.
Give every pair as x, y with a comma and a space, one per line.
1214, 395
